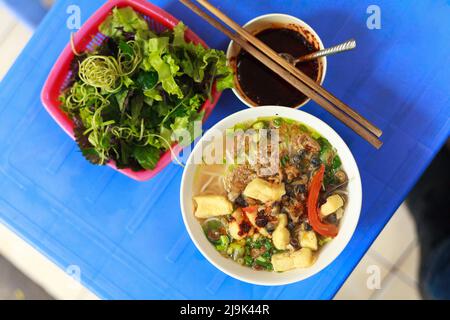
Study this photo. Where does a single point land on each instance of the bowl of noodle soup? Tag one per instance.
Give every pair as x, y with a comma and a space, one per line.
281, 218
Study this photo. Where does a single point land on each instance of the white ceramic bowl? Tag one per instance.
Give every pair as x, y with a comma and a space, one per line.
276, 20
327, 254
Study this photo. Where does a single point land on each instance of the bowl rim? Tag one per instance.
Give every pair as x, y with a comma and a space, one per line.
81, 38
344, 235
298, 21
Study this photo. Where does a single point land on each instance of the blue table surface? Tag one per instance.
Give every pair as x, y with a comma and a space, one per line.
127, 238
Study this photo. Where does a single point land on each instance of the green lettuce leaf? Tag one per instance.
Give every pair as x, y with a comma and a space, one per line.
184, 128
225, 81
196, 61
147, 156
147, 80
120, 98
223, 73
195, 102
178, 35
153, 93
164, 66
123, 19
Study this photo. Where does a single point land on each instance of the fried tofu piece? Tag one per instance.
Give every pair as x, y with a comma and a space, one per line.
212, 206
285, 261
264, 191
281, 235
308, 239
332, 204
303, 258
282, 262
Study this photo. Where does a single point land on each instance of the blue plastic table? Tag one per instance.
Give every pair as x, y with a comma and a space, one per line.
128, 238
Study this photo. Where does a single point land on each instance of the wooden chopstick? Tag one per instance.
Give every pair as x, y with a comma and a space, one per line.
360, 130
286, 65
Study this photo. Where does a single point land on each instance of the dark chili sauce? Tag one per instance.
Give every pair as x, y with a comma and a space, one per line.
262, 85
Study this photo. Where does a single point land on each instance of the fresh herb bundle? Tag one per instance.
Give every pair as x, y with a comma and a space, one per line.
140, 91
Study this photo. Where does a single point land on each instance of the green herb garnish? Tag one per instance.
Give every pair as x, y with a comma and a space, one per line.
139, 92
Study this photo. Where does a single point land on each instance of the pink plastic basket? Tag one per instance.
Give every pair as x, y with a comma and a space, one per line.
86, 39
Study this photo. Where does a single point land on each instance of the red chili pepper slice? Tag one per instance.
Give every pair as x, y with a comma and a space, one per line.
249, 209
324, 229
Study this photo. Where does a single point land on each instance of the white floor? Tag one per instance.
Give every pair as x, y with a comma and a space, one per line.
395, 253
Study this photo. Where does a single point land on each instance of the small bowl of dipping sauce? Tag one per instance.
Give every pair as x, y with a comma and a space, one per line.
254, 83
